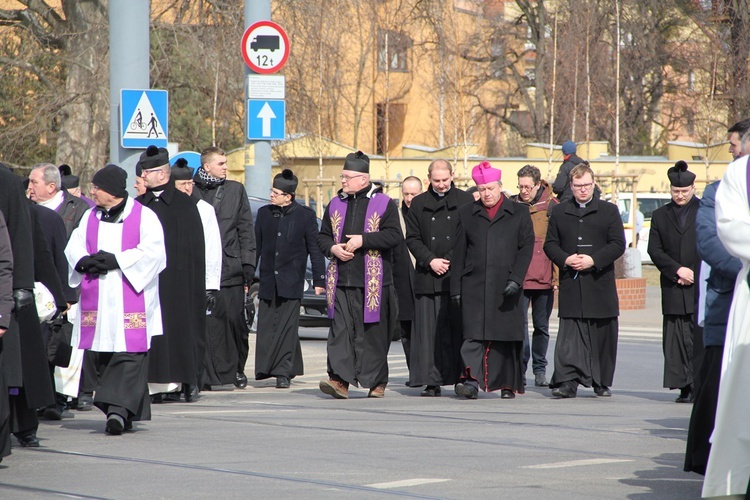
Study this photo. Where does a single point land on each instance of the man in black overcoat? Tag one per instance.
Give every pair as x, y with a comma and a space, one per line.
431, 236
494, 245
285, 235
359, 232
226, 324
673, 250
6, 307
584, 239
24, 360
176, 357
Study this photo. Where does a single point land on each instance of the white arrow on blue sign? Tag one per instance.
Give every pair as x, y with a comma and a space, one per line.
266, 120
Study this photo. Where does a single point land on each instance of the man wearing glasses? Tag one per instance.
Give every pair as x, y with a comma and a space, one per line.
360, 230
285, 235
584, 238
541, 279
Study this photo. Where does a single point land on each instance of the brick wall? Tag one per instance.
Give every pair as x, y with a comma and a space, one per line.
632, 293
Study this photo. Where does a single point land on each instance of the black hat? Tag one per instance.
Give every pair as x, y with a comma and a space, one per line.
111, 179
181, 171
679, 175
286, 181
65, 169
70, 181
357, 162
153, 157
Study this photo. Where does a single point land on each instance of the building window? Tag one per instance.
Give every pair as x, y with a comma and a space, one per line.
393, 51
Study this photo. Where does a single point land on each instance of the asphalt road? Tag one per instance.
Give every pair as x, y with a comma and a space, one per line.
264, 442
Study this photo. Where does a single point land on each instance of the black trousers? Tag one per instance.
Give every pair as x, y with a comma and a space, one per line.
358, 351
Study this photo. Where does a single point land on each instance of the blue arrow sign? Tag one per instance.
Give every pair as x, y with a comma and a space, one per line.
266, 120
144, 118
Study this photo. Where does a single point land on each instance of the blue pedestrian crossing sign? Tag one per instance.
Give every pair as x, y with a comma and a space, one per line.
266, 120
144, 118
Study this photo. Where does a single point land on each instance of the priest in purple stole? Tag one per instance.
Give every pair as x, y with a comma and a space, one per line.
116, 255
360, 231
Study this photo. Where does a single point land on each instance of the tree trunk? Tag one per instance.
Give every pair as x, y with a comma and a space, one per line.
83, 141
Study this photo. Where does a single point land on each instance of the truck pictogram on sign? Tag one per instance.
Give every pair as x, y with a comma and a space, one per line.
265, 47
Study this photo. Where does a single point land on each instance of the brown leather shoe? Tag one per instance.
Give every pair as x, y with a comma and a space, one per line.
335, 388
377, 392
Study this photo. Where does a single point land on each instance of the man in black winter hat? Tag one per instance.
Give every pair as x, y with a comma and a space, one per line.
286, 235
672, 247
116, 254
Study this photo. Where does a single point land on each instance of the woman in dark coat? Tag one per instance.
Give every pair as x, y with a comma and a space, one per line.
494, 245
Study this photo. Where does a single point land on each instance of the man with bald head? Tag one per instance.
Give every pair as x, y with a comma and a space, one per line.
431, 236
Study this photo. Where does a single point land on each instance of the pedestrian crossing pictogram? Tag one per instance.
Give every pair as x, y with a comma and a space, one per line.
143, 118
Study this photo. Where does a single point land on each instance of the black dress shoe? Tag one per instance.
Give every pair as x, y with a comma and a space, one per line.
282, 383
469, 391
686, 395
28, 440
85, 402
190, 391
603, 391
115, 425
431, 391
157, 399
172, 397
565, 391
507, 394
240, 380
540, 380
52, 413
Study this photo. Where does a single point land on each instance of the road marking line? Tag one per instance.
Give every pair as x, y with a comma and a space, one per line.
405, 482
577, 463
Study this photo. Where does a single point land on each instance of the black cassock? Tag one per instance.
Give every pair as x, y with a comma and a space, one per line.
284, 237
671, 245
177, 355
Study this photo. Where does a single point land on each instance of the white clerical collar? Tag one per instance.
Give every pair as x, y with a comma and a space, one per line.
53, 202
583, 205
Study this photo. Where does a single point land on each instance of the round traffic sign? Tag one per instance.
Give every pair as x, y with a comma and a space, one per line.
265, 47
193, 159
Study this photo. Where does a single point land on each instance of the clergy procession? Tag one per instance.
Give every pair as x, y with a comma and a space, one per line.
148, 294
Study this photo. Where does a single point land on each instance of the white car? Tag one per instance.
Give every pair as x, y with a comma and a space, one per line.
647, 203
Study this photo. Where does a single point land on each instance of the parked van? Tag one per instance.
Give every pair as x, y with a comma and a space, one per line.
647, 203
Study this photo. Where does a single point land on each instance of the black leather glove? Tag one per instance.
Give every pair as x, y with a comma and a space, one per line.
511, 289
106, 261
85, 264
456, 300
210, 300
248, 274
22, 299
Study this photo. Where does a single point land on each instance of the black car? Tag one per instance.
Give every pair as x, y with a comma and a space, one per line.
312, 307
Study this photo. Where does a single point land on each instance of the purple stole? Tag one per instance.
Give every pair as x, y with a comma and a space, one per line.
134, 304
373, 259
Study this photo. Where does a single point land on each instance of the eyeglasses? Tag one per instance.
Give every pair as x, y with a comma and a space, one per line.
586, 186
277, 193
526, 188
347, 178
